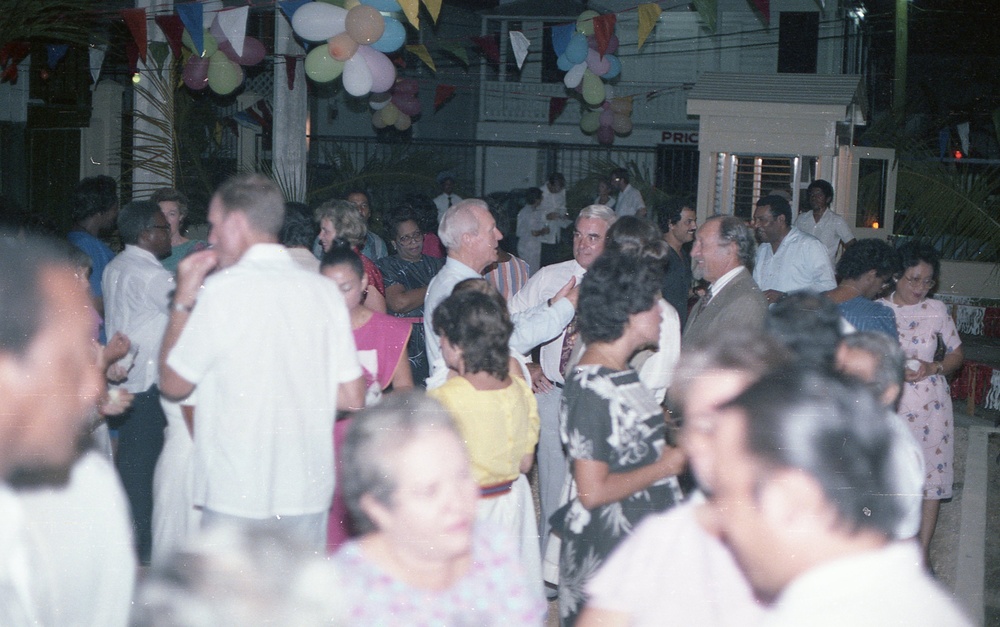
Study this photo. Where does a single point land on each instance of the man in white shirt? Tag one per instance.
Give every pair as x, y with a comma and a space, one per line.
823, 224
589, 237
137, 292
630, 202
447, 197
269, 347
788, 260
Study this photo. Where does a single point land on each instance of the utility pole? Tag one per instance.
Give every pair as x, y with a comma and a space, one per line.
899, 91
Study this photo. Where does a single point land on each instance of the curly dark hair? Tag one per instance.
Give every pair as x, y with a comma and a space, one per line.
92, 196
615, 287
868, 254
480, 327
913, 253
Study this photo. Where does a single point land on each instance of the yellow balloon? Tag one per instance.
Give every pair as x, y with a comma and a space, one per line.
321, 67
593, 88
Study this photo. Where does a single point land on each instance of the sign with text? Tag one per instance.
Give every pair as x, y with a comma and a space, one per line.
679, 137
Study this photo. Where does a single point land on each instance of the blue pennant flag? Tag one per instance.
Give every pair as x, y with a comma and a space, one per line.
561, 35
192, 14
289, 7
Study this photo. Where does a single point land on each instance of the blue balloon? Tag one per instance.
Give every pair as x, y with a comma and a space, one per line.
383, 5
616, 67
392, 38
576, 51
564, 63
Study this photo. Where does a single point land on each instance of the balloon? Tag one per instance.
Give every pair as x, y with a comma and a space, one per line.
615, 66
208, 43
589, 122
377, 120
357, 76
585, 23
621, 105
596, 63
321, 67
606, 117
379, 101
196, 73
383, 5
606, 135
342, 47
403, 122
621, 124
393, 37
253, 51
407, 86
224, 76
576, 50
407, 103
575, 75
593, 88
364, 24
563, 63
382, 69
389, 115
318, 21
612, 45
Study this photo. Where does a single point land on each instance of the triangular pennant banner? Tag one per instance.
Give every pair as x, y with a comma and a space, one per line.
96, 61
490, 46
764, 6
158, 51
233, 23
708, 10
442, 94
963, 137
411, 8
561, 34
520, 45
191, 15
135, 19
434, 8
421, 51
648, 15
55, 53
173, 30
289, 7
604, 28
556, 107
456, 50
132, 54
291, 61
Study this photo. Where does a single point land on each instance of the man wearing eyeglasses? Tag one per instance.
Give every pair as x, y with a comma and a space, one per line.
788, 260
137, 302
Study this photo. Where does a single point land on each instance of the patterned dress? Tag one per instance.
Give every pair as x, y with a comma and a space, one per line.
926, 404
607, 416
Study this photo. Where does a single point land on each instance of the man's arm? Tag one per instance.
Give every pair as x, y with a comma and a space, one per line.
401, 300
351, 395
191, 273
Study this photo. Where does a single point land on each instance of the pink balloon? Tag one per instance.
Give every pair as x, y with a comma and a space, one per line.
596, 63
407, 86
364, 24
342, 47
407, 103
196, 73
382, 69
253, 51
607, 117
606, 135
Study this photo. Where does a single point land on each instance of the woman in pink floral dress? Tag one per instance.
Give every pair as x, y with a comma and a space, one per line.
926, 401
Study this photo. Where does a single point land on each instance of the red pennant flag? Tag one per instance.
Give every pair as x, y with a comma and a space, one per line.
490, 45
291, 61
135, 19
556, 107
764, 6
173, 29
132, 54
442, 94
604, 28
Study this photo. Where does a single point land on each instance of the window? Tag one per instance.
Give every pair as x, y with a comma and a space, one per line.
754, 177
798, 42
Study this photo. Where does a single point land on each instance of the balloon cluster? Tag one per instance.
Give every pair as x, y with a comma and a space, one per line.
586, 70
216, 65
397, 107
357, 41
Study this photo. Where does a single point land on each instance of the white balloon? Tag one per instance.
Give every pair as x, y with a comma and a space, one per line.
318, 21
357, 76
575, 75
379, 101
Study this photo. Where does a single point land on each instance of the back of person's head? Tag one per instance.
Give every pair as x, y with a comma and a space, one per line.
889, 372
483, 287
258, 198
532, 195
480, 326
809, 325
632, 235
92, 196
460, 219
736, 231
342, 253
299, 229
865, 255
834, 430
779, 206
136, 217
615, 287
346, 219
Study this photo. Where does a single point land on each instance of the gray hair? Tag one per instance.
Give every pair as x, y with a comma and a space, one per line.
347, 220
373, 441
735, 230
890, 368
258, 198
601, 212
460, 220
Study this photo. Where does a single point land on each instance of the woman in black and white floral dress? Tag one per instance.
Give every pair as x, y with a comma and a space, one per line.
622, 469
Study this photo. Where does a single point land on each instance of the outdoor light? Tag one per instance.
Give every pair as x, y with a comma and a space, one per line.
136, 78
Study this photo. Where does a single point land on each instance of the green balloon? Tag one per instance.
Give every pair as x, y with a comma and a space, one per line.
224, 76
211, 46
321, 67
593, 88
585, 23
590, 121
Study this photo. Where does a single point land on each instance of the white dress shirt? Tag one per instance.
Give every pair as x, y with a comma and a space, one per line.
800, 263
629, 202
831, 230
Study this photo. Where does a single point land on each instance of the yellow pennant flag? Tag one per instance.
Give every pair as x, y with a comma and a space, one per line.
434, 8
421, 51
648, 14
411, 8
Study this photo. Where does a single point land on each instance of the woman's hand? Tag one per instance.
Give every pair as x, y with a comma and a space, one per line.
926, 369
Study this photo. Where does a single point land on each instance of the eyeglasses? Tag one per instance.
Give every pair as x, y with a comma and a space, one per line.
411, 238
916, 282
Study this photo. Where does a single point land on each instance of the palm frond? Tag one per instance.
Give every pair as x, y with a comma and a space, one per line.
46, 20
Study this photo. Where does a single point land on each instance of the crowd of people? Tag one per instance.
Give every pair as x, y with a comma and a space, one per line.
298, 421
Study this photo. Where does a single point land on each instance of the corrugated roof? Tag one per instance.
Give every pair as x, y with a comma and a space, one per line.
820, 89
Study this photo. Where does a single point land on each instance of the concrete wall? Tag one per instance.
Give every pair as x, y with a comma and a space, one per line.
969, 278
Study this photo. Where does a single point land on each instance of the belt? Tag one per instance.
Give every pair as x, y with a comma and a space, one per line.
495, 490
